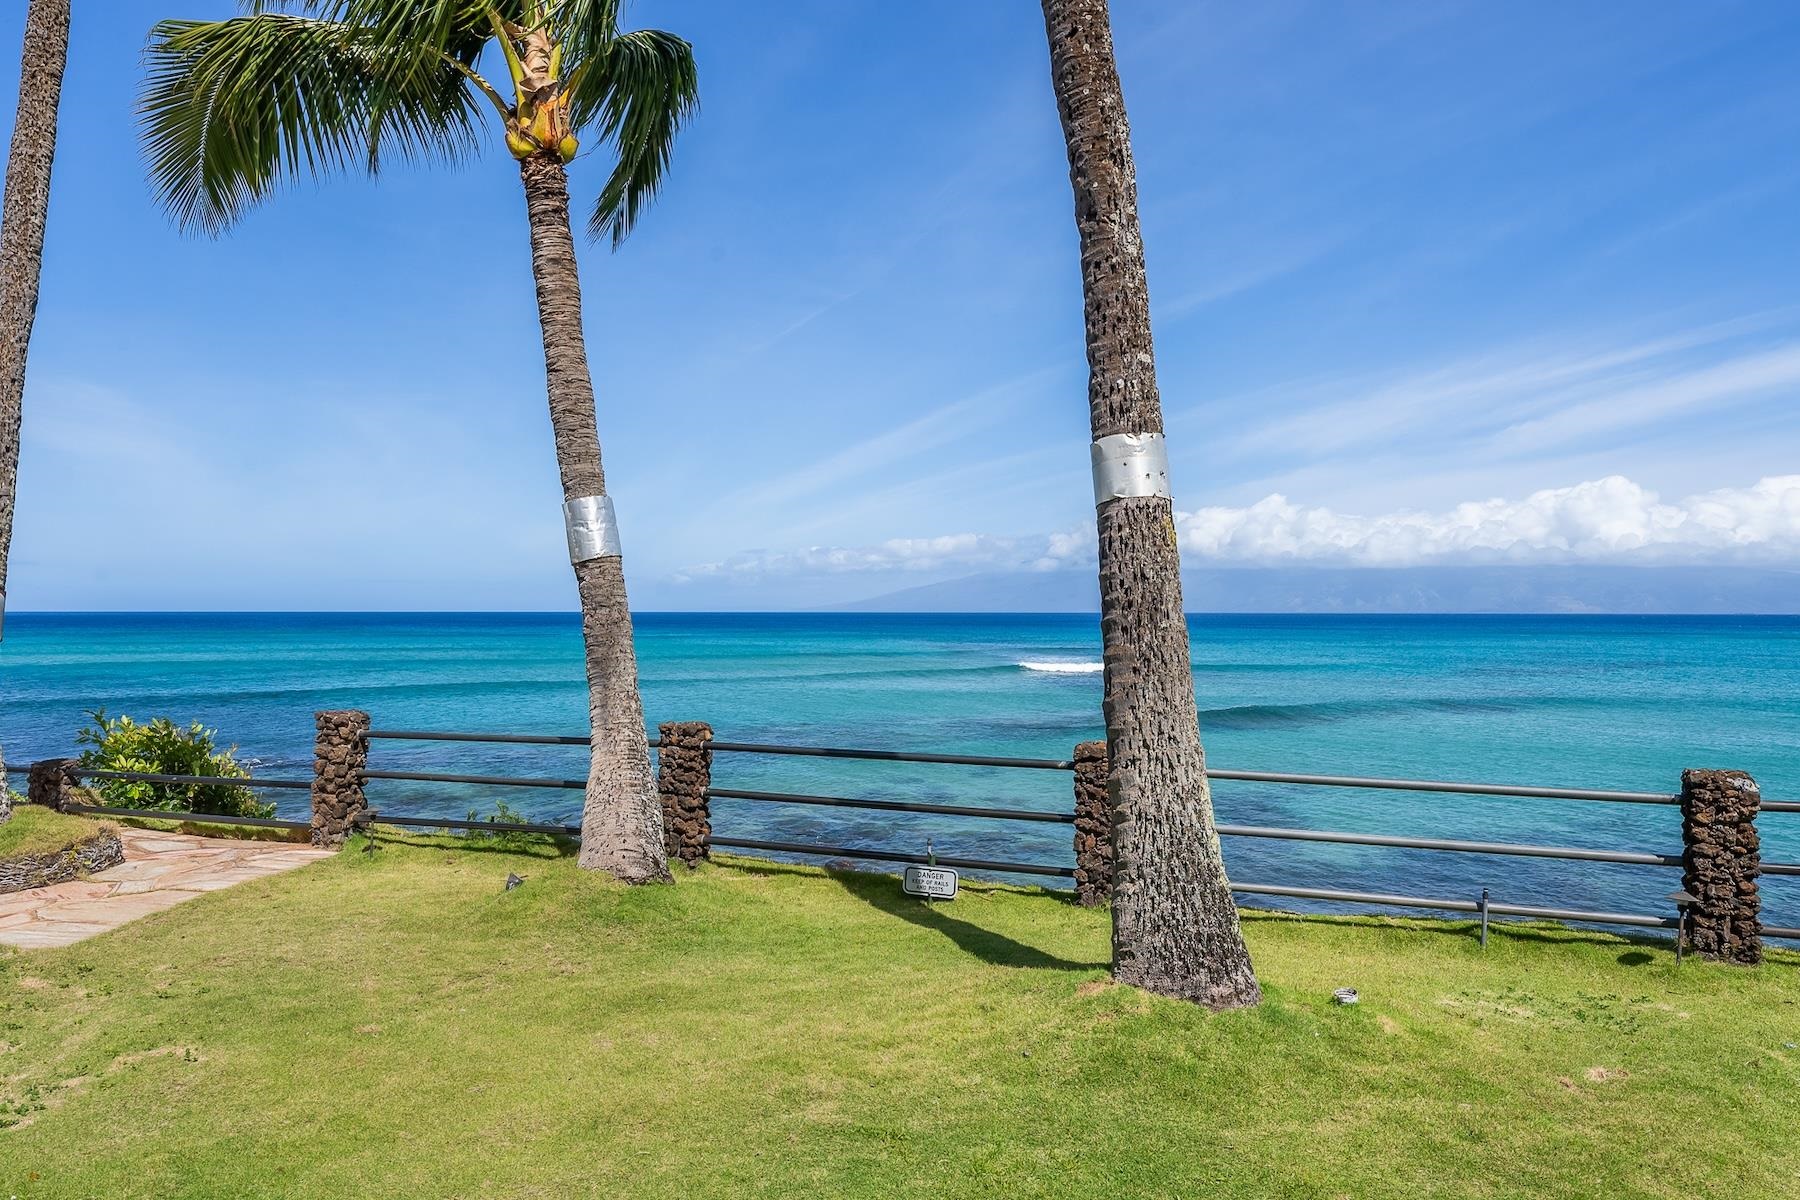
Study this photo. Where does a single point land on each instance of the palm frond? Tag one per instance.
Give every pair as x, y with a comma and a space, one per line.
231, 108
637, 93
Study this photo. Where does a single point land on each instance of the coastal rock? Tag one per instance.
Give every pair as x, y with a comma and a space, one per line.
340, 756
683, 777
50, 784
1721, 860
1093, 826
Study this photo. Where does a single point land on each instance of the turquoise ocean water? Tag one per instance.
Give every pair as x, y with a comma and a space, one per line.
1607, 702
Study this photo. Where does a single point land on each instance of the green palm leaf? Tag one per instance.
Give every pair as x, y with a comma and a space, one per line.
639, 94
231, 108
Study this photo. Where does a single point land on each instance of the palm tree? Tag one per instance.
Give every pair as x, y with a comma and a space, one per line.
1175, 928
22, 235
27, 207
231, 108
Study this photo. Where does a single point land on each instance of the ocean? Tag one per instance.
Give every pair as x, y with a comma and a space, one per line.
1598, 702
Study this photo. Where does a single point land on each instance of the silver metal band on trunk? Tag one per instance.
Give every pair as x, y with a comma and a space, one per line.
1130, 464
593, 529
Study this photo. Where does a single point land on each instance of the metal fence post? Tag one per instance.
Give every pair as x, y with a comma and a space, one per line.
50, 785
683, 778
340, 755
1484, 918
1721, 860
1093, 826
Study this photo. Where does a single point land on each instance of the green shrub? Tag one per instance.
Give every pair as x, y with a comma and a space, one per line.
161, 747
503, 839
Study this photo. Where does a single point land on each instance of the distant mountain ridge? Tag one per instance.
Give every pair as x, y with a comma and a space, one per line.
1478, 589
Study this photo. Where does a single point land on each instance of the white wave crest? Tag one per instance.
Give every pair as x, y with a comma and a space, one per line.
1065, 668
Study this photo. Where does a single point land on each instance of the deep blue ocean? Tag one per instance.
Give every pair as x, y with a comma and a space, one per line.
1603, 702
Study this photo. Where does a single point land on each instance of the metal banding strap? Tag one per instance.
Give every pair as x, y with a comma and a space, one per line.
593, 529
1130, 464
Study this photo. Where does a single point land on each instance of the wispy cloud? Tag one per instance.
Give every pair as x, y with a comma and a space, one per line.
855, 463
1535, 397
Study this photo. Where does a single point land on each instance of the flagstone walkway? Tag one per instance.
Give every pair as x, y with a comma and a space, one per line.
160, 871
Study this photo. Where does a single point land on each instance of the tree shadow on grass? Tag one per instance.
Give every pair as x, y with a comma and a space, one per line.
517, 845
883, 892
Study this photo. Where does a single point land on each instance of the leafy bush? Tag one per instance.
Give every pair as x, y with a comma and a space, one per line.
503, 839
161, 747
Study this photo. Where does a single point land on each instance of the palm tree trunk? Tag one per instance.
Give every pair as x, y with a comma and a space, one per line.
621, 820
22, 235
1175, 927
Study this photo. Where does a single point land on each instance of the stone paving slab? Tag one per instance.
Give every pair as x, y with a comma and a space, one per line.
160, 871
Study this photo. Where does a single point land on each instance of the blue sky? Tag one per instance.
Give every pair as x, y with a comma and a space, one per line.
1432, 283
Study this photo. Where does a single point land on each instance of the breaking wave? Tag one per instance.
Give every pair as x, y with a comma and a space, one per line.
1065, 668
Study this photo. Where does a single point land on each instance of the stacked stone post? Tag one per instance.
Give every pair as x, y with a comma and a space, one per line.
1093, 826
1721, 859
51, 785
683, 775
340, 755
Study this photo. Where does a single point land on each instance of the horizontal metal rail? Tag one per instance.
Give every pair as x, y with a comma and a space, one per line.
485, 826
949, 810
955, 760
1780, 869
1468, 906
1051, 764
529, 739
942, 860
1410, 843
485, 780
226, 780
1437, 785
162, 814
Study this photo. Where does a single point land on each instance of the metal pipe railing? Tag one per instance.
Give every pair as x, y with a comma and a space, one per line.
485, 826
950, 810
226, 780
1468, 906
530, 739
1574, 854
1438, 785
484, 780
163, 814
942, 860
1054, 764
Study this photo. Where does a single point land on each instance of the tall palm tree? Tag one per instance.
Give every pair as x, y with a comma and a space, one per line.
231, 108
1175, 928
22, 235
27, 207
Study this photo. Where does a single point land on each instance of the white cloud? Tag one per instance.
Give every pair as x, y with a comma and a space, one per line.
1611, 520
1604, 520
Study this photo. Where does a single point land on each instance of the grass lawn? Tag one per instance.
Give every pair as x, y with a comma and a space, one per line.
35, 829
398, 1025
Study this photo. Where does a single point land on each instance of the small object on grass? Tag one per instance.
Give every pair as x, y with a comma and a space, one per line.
513, 881
1344, 996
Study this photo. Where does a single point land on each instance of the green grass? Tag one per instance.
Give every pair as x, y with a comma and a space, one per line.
35, 829
397, 1025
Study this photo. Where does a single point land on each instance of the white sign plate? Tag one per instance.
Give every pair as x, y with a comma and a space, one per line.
933, 883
